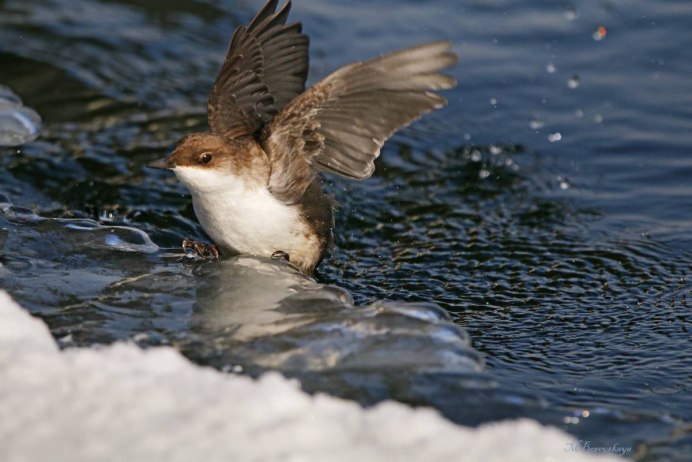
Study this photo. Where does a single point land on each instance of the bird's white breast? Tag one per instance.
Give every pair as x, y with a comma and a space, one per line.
247, 219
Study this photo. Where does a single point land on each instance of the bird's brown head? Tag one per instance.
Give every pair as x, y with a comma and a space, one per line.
205, 162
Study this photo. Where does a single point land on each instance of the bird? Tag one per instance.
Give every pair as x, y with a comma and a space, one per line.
255, 176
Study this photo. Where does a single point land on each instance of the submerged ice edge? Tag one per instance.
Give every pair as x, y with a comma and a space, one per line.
95, 414
83, 232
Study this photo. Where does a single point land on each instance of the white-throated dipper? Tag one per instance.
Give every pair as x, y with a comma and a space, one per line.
254, 178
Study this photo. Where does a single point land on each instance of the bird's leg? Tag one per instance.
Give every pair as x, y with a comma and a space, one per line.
201, 249
281, 255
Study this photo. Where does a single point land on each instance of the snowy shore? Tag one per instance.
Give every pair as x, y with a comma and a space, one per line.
123, 403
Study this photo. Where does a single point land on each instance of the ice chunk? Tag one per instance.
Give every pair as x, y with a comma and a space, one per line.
122, 238
18, 124
73, 234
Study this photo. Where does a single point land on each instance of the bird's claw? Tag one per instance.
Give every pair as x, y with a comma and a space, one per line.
200, 249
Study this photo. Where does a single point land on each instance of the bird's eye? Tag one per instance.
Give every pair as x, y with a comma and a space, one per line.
205, 158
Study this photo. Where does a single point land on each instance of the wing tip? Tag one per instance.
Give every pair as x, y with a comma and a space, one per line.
443, 82
439, 101
268, 9
268, 15
436, 47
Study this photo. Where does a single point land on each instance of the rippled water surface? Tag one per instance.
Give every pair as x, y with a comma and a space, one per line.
532, 239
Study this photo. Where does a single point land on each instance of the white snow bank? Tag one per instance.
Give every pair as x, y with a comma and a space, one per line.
122, 403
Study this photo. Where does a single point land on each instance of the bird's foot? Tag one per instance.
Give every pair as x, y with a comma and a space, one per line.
281, 255
200, 249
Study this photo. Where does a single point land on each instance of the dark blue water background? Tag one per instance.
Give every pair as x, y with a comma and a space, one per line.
547, 209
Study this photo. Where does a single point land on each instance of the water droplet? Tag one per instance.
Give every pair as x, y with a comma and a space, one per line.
18, 124
570, 12
483, 174
536, 124
495, 150
467, 136
573, 82
475, 155
493, 101
598, 118
554, 137
550, 68
579, 113
108, 216
563, 182
599, 34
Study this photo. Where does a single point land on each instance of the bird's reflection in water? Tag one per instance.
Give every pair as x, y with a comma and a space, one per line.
251, 297
258, 312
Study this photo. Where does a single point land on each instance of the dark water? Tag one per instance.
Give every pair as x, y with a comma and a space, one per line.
547, 210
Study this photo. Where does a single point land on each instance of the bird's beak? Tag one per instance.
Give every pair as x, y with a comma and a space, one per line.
161, 163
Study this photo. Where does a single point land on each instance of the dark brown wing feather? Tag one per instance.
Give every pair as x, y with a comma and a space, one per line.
266, 67
340, 124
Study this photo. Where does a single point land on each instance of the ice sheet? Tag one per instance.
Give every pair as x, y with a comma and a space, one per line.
124, 403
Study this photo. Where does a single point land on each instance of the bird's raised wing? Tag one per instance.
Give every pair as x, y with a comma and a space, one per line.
266, 67
340, 124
